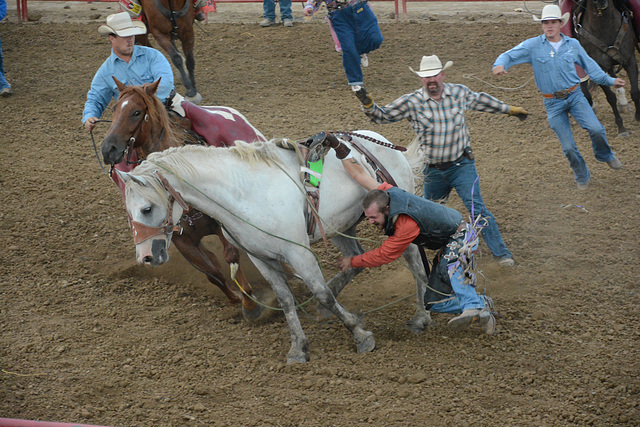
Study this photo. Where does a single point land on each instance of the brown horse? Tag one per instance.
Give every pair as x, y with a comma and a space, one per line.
140, 126
608, 37
169, 20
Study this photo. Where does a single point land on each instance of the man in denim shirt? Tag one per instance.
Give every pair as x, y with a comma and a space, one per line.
436, 114
553, 56
129, 63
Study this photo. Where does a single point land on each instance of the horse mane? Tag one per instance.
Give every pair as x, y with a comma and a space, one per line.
174, 160
157, 113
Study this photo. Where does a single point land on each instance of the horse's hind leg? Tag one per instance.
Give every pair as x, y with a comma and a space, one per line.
613, 102
632, 74
586, 91
422, 318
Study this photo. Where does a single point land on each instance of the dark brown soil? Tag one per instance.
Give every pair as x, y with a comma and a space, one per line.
88, 336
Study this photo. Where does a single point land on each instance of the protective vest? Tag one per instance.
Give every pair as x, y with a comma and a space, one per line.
437, 222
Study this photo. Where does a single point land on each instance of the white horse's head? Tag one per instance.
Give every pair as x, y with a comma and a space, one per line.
154, 208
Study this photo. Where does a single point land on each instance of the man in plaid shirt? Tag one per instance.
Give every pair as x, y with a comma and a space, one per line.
436, 113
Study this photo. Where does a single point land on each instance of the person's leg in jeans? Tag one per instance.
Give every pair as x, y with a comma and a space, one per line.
464, 178
285, 9
269, 7
558, 118
344, 26
3, 81
435, 186
368, 35
583, 114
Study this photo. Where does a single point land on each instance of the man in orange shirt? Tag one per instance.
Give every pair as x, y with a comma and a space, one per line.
407, 218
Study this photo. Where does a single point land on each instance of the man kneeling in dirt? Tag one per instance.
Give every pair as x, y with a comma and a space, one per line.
407, 218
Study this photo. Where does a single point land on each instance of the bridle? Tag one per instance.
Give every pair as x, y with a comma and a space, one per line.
134, 136
142, 232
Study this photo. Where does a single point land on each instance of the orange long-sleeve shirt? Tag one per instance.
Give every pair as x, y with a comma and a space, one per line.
406, 230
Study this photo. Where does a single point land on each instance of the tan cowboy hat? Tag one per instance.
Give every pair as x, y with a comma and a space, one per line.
122, 25
552, 11
431, 66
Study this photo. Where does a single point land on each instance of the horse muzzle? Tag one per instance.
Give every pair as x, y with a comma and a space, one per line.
153, 252
113, 150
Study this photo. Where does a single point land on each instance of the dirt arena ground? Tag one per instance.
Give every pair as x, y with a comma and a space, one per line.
88, 336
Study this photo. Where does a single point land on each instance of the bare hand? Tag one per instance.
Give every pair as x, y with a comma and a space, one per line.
499, 70
618, 82
90, 124
344, 263
307, 11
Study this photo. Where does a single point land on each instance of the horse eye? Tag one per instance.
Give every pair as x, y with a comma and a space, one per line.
146, 210
137, 113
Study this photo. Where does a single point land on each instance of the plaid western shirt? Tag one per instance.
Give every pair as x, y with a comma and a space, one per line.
440, 126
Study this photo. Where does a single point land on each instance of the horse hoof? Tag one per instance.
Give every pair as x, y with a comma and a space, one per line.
367, 343
196, 99
419, 323
252, 315
624, 134
296, 357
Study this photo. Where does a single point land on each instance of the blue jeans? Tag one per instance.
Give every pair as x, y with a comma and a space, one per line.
462, 176
558, 117
269, 7
358, 32
3, 81
465, 298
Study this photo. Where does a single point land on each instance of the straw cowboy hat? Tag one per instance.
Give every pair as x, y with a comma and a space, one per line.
122, 25
552, 11
431, 66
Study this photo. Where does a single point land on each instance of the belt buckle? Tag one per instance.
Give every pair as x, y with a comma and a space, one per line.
561, 94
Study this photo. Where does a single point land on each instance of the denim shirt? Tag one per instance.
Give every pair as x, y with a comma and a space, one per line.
437, 222
554, 71
146, 66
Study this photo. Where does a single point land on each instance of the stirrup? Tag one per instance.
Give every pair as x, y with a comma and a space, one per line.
317, 149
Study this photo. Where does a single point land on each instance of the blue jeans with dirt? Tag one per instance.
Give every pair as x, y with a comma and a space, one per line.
269, 7
463, 177
358, 32
576, 104
3, 81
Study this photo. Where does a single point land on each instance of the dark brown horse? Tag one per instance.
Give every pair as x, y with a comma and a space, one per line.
608, 37
168, 21
140, 126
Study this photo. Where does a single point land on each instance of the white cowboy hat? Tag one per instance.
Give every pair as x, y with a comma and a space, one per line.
552, 11
431, 66
122, 25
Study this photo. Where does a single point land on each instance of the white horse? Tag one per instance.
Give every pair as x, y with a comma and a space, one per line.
255, 192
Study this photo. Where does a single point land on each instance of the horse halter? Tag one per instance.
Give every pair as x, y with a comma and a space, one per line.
134, 136
142, 232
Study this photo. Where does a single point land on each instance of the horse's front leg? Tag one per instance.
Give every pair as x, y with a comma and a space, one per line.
632, 74
204, 261
271, 271
250, 309
166, 44
613, 102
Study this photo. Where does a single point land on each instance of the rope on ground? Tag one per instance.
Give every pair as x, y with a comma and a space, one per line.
473, 76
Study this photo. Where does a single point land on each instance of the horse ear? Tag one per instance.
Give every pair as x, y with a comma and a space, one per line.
121, 86
153, 87
127, 176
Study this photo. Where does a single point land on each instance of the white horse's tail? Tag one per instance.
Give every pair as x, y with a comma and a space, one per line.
415, 157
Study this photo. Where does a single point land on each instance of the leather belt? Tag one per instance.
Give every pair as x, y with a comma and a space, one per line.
445, 165
561, 94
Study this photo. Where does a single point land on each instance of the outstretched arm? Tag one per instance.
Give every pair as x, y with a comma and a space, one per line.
359, 174
351, 165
